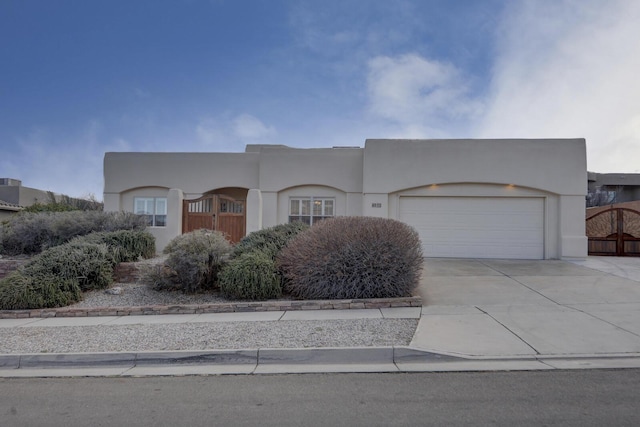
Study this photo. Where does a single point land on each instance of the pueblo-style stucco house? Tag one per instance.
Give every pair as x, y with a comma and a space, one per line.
521, 199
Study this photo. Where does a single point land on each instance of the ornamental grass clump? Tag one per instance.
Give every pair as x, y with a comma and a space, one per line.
20, 291
124, 245
352, 257
193, 262
252, 275
88, 264
57, 277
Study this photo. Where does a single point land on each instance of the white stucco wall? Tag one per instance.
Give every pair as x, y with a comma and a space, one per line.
282, 168
370, 180
194, 173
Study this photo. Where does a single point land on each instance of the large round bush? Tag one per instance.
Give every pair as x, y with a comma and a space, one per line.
352, 257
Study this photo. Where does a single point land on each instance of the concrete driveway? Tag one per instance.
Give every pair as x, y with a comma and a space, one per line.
514, 308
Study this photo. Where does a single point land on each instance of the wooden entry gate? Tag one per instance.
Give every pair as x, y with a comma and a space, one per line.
614, 232
215, 212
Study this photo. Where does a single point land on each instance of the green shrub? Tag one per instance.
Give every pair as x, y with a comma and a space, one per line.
30, 233
193, 262
271, 239
48, 207
252, 275
19, 291
64, 203
57, 276
124, 245
352, 257
88, 264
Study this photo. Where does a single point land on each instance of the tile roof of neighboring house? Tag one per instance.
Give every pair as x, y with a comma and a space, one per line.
6, 206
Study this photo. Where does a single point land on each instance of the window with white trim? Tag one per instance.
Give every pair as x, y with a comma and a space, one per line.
154, 208
310, 209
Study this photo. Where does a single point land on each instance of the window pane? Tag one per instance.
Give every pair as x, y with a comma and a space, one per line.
306, 207
328, 207
143, 205
295, 207
317, 207
161, 206
161, 221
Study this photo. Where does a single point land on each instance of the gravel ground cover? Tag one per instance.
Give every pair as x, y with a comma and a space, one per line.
206, 336
197, 336
138, 294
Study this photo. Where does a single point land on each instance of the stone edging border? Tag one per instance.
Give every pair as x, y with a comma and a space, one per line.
230, 307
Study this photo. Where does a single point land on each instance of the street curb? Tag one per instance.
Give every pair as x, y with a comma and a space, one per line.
298, 360
267, 356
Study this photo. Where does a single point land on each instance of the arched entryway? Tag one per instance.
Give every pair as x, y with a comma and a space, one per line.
223, 209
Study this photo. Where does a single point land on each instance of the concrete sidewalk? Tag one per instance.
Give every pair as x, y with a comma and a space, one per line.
477, 315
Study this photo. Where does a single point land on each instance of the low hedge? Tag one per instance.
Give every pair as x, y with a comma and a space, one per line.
30, 233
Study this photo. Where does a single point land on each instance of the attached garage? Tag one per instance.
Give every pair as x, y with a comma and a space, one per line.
477, 227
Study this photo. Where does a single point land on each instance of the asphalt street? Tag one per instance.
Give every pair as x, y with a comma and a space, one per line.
567, 398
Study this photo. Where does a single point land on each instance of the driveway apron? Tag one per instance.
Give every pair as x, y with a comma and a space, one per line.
515, 308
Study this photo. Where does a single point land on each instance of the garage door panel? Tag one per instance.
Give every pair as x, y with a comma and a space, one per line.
464, 227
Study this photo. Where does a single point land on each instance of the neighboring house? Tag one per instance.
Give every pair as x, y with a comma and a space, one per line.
466, 198
12, 191
610, 188
8, 209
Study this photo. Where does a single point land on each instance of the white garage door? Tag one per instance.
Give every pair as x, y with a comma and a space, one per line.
475, 227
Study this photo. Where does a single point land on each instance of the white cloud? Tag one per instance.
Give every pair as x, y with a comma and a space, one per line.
209, 132
248, 127
570, 69
422, 96
562, 68
231, 133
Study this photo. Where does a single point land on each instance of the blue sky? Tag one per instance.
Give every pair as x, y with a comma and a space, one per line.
79, 78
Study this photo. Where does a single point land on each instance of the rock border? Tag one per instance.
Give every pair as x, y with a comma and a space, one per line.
230, 307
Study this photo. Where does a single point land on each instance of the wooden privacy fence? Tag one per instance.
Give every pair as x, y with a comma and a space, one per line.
215, 212
614, 232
